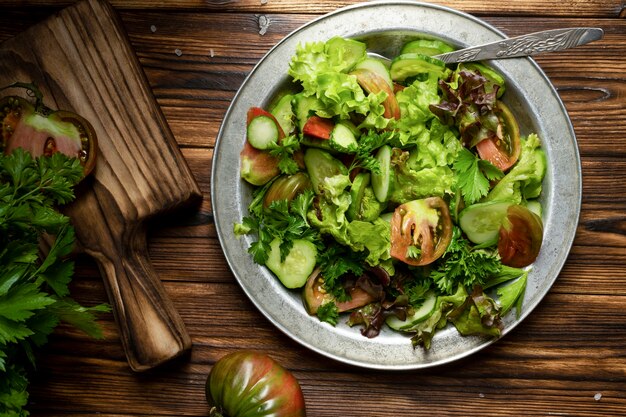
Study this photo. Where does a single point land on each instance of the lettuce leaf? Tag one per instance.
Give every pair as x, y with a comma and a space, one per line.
412, 182
329, 217
322, 70
527, 173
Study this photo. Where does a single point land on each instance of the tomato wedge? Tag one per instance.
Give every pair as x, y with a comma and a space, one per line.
421, 231
520, 237
504, 150
318, 127
42, 131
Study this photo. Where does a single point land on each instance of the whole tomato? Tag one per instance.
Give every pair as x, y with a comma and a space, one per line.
251, 384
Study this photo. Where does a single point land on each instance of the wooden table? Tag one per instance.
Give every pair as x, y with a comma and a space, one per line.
567, 358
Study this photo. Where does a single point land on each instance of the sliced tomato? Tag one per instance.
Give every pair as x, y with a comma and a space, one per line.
318, 127
374, 83
502, 151
43, 131
520, 237
421, 231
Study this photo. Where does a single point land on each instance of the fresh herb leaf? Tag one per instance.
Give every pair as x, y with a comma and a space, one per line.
284, 151
368, 143
463, 265
329, 313
473, 175
33, 287
335, 261
282, 219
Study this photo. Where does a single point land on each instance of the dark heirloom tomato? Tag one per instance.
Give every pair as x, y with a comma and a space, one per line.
251, 384
520, 238
421, 231
42, 131
504, 150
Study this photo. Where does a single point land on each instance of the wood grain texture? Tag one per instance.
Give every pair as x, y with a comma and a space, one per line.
589, 8
82, 61
571, 348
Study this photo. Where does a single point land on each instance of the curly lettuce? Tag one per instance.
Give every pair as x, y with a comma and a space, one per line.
322, 69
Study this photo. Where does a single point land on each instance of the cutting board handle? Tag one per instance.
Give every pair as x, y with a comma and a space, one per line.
151, 330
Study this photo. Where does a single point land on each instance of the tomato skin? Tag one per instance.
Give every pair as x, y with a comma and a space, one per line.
412, 225
503, 152
520, 237
318, 127
251, 384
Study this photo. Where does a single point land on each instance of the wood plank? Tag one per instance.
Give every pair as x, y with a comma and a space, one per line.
589, 8
531, 369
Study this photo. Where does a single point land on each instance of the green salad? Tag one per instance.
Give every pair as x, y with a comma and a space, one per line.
396, 192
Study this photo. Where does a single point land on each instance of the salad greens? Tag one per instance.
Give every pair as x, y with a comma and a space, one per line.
375, 165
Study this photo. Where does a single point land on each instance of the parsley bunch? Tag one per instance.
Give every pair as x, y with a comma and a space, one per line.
34, 294
462, 264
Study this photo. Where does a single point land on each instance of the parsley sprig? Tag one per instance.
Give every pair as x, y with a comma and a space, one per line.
282, 219
34, 293
473, 176
462, 264
368, 143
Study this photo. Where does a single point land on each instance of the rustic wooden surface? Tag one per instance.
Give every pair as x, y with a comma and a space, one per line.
567, 358
81, 60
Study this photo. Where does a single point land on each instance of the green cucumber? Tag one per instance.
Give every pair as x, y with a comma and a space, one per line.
283, 112
262, 132
410, 65
427, 47
378, 67
321, 165
342, 138
481, 222
303, 107
311, 142
382, 181
359, 184
344, 53
295, 269
422, 313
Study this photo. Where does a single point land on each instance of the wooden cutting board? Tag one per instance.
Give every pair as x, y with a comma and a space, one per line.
82, 61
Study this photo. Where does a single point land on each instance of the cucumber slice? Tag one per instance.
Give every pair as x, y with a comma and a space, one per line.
410, 65
283, 113
320, 165
342, 139
262, 132
310, 141
344, 53
378, 67
382, 181
535, 207
481, 222
360, 183
303, 106
297, 266
422, 313
428, 47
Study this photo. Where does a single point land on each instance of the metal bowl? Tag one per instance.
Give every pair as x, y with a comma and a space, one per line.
385, 26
